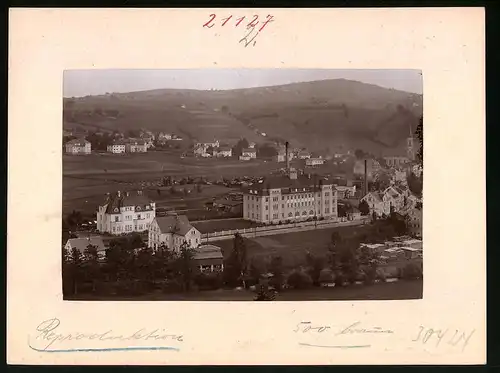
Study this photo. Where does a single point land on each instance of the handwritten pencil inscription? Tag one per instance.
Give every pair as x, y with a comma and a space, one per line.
49, 337
356, 328
425, 336
455, 338
253, 25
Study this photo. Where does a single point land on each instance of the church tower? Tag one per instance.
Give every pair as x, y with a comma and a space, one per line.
409, 149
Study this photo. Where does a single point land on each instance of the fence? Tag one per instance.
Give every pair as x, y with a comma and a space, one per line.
277, 229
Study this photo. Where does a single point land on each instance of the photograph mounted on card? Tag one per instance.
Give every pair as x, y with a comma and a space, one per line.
242, 184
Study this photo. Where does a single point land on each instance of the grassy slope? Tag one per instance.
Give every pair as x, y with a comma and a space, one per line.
306, 114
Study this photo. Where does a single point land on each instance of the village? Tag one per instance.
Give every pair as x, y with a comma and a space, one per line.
297, 195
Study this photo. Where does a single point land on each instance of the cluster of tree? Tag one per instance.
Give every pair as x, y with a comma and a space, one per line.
182, 191
345, 262
130, 266
134, 133
381, 182
100, 141
71, 223
266, 151
364, 208
360, 154
239, 146
415, 183
419, 132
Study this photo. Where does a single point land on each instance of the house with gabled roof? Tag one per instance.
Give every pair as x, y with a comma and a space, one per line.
125, 213
376, 203
136, 146
173, 231
81, 244
248, 154
78, 146
223, 151
209, 258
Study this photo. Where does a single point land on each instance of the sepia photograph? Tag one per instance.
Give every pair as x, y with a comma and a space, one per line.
242, 185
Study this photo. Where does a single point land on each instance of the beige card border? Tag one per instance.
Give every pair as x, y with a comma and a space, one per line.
447, 44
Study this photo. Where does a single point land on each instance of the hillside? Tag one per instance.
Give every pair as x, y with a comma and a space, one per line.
330, 114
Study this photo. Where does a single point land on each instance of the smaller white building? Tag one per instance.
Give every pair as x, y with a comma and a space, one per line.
223, 151
117, 147
136, 146
303, 154
209, 258
248, 154
80, 146
311, 162
82, 244
173, 231
345, 192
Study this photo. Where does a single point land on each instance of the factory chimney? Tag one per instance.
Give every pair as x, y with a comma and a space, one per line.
287, 158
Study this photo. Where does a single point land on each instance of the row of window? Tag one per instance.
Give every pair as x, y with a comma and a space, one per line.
130, 217
298, 196
291, 214
291, 205
128, 228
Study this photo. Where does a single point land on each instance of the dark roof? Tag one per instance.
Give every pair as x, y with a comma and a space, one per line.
135, 142
223, 148
118, 142
377, 196
249, 150
178, 224
228, 202
208, 252
284, 182
127, 199
81, 243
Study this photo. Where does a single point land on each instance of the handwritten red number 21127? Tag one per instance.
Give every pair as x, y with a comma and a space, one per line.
210, 23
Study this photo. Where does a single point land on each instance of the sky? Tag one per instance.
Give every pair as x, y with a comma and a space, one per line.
78, 83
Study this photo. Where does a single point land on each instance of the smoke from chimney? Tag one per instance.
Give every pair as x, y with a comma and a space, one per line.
287, 157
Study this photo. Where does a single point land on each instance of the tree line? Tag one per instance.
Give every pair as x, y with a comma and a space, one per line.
128, 267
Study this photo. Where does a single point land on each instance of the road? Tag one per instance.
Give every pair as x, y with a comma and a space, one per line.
273, 232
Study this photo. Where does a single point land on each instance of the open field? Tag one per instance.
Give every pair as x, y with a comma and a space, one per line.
165, 163
86, 179
292, 247
381, 291
86, 194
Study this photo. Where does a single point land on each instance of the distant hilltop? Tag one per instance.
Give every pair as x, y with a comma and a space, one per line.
327, 115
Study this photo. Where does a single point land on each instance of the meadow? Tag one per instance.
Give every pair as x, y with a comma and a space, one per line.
87, 179
292, 247
381, 291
